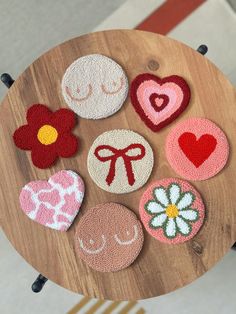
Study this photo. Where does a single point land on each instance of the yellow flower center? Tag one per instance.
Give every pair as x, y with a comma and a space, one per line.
47, 134
172, 211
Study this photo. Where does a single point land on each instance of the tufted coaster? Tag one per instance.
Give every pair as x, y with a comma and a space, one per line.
120, 161
47, 134
197, 149
159, 101
94, 86
171, 210
53, 203
109, 237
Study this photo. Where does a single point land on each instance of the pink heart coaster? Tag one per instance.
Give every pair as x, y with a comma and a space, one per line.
159, 101
56, 202
197, 149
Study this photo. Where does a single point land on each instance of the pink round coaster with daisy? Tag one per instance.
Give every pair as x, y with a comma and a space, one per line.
197, 149
172, 211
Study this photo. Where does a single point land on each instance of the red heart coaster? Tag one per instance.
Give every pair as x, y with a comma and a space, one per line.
159, 101
197, 150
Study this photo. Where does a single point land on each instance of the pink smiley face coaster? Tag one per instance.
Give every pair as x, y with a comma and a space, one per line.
197, 149
171, 210
109, 237
53, 203
159, 101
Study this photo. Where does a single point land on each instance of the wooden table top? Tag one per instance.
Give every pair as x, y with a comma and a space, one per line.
160, 268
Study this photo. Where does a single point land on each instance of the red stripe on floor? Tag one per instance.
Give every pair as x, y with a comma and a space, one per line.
168, 15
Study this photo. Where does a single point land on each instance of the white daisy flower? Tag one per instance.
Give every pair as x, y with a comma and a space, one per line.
171, 210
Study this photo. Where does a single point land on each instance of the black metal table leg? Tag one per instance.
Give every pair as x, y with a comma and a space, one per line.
7, 80
202, 49
38, 284
40, 281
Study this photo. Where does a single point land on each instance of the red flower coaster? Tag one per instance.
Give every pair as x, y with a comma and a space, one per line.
172, 211
197, 149
47, 134
109, 237
159, 101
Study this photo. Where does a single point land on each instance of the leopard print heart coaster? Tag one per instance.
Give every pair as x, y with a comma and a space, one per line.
53, 203
120, 161
172, 211
109, 237
94, 86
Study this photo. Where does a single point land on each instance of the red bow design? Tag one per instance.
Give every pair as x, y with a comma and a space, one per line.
116, 153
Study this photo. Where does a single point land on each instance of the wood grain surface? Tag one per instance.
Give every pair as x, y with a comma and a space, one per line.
160, 268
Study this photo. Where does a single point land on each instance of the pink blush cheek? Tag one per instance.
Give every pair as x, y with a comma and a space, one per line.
26, 201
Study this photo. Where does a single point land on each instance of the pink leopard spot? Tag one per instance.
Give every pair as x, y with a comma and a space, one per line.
52, 197
26, 202
44, 215
62, 218
71, 205
63, 178
37, 186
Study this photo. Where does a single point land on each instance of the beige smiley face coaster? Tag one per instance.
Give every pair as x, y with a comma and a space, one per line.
120, 161
94, 86
109, 237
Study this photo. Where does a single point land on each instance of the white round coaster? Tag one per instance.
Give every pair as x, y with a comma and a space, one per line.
95, 86
120, 161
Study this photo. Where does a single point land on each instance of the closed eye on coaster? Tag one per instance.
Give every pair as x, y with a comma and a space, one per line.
135, 227
106, 91
93, 251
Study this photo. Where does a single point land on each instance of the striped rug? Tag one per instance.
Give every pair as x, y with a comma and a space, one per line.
95, 306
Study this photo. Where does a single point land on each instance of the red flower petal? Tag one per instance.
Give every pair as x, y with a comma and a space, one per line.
43, 156
63, 120
38, 115
24, 138
66, 145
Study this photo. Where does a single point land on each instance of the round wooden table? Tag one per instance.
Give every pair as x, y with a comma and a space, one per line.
160, 268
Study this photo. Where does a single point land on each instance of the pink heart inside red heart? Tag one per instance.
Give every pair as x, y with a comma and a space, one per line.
154, 97
197, 150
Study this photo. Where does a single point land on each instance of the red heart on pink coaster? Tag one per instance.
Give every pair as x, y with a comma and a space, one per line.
159, 101
53, 203
197, 150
